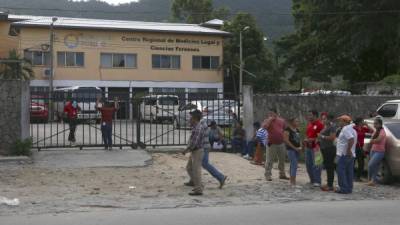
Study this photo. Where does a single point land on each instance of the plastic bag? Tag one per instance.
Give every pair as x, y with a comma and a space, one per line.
217, 146
318, 158
10, 202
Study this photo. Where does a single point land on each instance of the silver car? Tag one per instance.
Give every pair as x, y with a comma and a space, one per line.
390, 167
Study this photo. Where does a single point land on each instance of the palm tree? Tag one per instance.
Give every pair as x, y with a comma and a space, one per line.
15, 67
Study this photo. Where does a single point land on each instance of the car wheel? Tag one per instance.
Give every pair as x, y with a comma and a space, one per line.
384, 174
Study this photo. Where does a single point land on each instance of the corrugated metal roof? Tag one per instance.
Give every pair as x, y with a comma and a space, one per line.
99, 24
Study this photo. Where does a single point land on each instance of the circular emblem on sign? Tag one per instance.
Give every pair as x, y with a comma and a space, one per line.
71, 41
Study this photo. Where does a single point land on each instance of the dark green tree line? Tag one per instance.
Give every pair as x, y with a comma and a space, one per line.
358, 40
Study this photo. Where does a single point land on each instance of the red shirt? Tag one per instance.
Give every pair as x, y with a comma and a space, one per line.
275, 128
313, 129
107, 114
71, 111
361, 131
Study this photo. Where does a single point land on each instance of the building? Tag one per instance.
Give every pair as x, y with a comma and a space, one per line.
120, 56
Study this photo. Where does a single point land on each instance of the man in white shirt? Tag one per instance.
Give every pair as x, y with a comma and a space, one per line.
346, 153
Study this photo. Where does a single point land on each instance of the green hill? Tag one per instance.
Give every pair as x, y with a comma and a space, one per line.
273, 16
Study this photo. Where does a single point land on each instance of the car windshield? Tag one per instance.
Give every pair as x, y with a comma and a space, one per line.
168, 101
394, 129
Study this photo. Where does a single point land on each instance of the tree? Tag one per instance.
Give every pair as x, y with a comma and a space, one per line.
257, 58
358, 40
16, 68
197, 11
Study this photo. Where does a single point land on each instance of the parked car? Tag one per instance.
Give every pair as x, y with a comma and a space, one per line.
390, 167
159, 108
389, 110
39, 112
220, 116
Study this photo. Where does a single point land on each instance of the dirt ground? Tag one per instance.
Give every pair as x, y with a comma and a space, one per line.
160, 185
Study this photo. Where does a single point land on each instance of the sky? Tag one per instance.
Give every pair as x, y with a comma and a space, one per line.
116, 2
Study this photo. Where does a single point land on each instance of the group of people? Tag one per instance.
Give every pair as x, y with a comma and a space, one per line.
107, 110
330, 143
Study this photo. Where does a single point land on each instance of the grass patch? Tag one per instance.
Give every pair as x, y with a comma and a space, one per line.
22, 148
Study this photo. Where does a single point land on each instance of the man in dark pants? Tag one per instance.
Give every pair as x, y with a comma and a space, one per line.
326, 139
362, 129
71, 109
107, 112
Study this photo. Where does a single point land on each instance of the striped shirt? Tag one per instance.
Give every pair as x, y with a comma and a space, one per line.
262, 136
196, 140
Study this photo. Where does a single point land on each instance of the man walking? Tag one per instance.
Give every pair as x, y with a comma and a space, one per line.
314, 127
346, 153
195, 147
275, 127
107, 112
71, 109
206, 163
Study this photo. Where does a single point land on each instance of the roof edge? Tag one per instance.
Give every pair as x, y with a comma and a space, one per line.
218, 33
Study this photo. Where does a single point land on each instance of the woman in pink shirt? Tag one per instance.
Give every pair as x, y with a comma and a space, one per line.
378, 142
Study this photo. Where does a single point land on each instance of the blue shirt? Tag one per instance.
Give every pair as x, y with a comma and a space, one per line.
262, 136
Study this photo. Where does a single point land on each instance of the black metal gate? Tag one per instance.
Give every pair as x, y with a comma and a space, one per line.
143, 120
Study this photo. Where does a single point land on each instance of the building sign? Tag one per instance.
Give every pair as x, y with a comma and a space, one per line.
74, 40
164, 44
71, 40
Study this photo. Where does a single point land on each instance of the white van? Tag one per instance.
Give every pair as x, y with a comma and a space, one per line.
390, 110
86, 98
159, 107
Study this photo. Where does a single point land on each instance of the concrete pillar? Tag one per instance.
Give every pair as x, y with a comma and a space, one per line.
130, 103
248, 111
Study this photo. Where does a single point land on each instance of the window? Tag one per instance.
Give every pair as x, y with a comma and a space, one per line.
388, 110
205, 62
70, 59
38, 58
115, 60
394, 129
166, 61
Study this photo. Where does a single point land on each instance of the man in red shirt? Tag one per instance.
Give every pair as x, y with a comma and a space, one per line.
107, 111
71, 110
362, 129
275, 126
314, 127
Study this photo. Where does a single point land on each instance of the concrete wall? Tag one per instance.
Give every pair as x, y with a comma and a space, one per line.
14, 113
298, 106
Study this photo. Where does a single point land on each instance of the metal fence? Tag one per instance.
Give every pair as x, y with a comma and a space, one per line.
142, 119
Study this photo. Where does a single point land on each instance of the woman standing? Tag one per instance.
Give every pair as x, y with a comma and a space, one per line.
291, 137
378, 143
328, 150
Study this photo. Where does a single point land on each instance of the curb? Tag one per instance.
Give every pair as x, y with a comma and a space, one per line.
24, 159
167, 151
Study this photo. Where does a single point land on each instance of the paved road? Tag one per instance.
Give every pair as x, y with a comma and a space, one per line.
325, 213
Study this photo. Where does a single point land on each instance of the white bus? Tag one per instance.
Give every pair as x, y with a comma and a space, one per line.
85, 97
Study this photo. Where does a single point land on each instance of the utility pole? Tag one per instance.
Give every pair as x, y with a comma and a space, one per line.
51, 75
241, 60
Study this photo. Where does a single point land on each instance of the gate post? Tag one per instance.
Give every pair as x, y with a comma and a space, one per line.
248, 111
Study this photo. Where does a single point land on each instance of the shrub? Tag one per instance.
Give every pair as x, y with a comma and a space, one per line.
22, 148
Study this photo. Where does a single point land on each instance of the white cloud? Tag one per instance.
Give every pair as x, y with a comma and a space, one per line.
114, 2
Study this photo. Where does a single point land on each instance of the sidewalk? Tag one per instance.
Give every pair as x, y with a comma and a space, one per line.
72, 158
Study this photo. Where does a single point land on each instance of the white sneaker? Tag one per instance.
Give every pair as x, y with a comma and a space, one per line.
317, 185
246, 156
